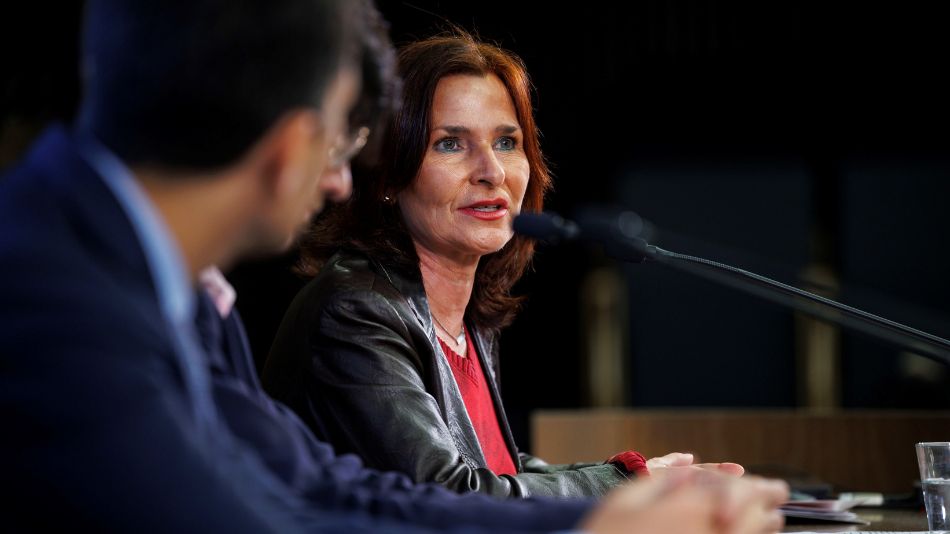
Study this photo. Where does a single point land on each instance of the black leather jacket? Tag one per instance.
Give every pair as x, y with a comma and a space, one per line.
358, 359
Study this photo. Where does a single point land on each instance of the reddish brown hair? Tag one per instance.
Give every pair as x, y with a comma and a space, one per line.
369, 224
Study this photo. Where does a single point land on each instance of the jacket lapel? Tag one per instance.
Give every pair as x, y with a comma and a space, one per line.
445, 389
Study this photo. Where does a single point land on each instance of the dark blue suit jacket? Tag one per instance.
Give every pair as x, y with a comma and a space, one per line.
98, 429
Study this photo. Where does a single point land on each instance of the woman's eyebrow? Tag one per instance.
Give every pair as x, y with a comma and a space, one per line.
454, 129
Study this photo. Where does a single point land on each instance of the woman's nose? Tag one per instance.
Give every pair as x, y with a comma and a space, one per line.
489, 169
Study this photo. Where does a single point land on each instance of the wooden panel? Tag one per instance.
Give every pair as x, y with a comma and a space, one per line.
860, 450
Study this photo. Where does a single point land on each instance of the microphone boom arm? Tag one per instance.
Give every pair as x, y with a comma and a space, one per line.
918, 341
549, 227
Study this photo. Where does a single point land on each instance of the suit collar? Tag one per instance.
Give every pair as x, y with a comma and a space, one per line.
90, 209
163, 255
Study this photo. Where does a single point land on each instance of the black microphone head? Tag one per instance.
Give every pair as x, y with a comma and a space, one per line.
545, 226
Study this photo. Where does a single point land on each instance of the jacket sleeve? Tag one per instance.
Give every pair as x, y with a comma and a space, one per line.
368, 394
533, 464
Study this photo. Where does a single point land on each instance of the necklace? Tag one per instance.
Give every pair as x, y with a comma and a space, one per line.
459, 339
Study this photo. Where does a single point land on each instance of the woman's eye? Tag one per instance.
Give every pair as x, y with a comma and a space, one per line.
506, 143
449, 144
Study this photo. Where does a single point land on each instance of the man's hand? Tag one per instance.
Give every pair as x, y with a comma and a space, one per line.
691, 501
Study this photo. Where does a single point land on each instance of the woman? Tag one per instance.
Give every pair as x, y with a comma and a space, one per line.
391, 352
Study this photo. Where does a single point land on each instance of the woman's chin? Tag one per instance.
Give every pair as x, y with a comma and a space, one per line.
490, 244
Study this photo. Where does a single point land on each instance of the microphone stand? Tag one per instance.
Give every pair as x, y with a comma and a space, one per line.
636, 250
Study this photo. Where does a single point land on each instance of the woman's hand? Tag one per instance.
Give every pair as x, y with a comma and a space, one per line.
685, 459
691, 501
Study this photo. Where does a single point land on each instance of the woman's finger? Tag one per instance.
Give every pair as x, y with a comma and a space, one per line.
673, 459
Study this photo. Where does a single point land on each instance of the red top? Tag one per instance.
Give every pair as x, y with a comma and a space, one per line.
481, 410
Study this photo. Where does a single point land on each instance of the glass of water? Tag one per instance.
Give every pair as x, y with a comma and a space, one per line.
933, 458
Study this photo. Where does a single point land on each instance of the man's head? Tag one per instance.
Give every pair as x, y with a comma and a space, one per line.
259, 89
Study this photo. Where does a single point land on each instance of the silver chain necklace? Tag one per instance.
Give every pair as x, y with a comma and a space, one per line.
459, 339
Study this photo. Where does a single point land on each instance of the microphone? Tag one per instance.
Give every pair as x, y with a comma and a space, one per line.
616, 235
612, 233
546, 227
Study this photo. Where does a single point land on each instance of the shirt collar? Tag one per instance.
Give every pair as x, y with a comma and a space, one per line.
162, 253
221, 292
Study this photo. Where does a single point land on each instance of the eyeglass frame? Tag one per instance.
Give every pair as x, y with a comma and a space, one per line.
342, 153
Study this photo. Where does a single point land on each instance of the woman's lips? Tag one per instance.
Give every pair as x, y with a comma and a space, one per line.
486, 214
487, 210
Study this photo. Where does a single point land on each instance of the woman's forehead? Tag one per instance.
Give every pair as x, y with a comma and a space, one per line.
472, 101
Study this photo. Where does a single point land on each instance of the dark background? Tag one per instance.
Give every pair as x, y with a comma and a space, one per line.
779, 136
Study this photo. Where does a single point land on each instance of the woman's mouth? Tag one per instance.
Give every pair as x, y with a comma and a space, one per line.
487, 210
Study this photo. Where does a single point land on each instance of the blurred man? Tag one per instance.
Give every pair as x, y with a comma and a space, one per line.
204, 130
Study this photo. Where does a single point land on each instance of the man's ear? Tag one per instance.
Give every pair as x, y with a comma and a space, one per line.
286, 153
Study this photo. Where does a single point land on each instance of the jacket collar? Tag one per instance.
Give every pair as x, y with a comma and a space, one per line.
408, 282
91, 208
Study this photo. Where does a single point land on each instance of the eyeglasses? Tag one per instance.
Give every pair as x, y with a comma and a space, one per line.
347, 148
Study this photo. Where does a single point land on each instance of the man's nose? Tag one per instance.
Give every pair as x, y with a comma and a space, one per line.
337, 183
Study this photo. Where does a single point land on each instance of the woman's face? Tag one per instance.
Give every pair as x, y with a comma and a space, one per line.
474, 173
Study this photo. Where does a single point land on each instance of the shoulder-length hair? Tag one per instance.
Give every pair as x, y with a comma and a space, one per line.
370, 223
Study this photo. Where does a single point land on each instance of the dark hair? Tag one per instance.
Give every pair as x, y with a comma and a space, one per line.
369, 224
194, 83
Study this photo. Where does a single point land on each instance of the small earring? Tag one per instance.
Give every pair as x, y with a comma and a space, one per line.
388, 199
